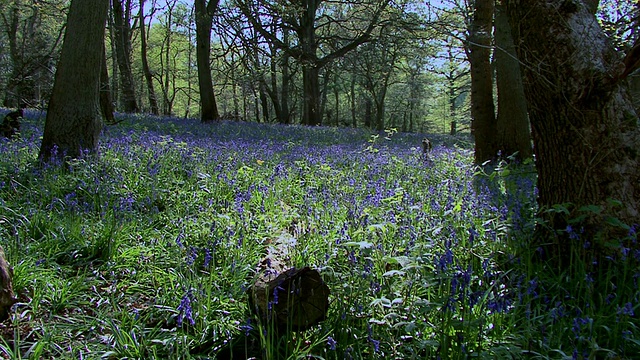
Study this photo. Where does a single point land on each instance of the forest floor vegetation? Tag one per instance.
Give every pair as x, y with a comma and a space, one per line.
146, 251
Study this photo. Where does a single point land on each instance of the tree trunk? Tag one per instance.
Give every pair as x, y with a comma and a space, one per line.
367, 113
106, 104
115, 88
336, 96
13, 91
311, 89
513, 121
452, 103
286, 77
74, 119
204, 22
482, 109
264, 102
272, 90
354, 119
585, 130
324, 92
380, 109
153, 100
121, 18
165, 61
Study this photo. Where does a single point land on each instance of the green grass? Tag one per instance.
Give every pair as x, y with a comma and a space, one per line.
147, 251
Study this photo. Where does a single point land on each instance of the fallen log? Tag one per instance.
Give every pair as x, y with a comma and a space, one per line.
7, 297
285, 297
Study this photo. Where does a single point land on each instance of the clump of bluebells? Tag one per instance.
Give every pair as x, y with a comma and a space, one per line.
424, 259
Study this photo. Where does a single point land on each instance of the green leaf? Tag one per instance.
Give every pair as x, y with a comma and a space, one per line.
614, 221
595, 209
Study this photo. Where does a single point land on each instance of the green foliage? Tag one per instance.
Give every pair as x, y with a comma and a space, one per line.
147, 251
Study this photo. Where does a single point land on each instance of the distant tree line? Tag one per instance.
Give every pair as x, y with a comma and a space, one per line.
375, 63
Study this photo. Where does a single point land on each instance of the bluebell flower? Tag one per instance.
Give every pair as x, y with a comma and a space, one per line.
275, 293
531, 289
376, 345
246, 327
207, 257
627, 309
179, 240
573, 235
332, 343
185, 311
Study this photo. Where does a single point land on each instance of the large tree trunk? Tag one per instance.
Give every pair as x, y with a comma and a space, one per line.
585, 130
74, 119
121, 18
204, 22
380, 109
311, 89
482, 109
309, 58
514, 136
153, 100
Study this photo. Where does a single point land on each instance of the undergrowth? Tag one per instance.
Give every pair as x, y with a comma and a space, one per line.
147, 250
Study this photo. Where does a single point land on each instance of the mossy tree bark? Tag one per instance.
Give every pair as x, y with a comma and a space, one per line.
585, 130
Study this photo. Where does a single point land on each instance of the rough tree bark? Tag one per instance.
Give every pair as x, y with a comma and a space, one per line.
74, 119
204, 21
514, 136
290, 298
483, 116
121, 18
585, 130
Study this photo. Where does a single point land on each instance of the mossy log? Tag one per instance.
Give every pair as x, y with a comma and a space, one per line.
285, 297
7, 297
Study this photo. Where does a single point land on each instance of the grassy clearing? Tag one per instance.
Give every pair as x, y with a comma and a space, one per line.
147, 251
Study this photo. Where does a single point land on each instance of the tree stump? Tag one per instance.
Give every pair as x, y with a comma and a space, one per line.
7, 298
286, 297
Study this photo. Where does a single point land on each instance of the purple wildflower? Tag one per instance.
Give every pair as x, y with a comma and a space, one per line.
627, 309
332, 343
275, 293
246, 327
184, 310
